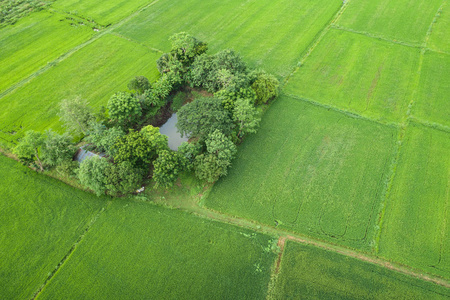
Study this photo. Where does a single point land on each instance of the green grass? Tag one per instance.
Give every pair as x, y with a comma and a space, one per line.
441, 31
102, 12
269, 34
94, 72
313, 171
308, 272
33, 42
40, 220
416, 229
432, 101
142, 251
403, 20
359, 74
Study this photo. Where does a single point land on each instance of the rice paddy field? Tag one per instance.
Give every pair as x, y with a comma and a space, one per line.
316, 171
307, 272
41, 219
352, 157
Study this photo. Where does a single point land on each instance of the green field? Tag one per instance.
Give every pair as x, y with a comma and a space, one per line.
313, 171
308, 272
432, 103
102, 12
416, 229
441, 31
141, 251
268, 34
403, 20
359, 74
41, 218
33, 42
94, 72
353, 154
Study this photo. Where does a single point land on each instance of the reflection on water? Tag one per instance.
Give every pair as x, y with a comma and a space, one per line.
170, 130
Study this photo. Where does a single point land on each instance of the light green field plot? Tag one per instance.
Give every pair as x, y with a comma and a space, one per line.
268, 34
441, 31
416, 229
403, 20
102, 12
94, 72
142, 251
312, 171
432, 103
32, 42
358, 74
40, 220
308, 272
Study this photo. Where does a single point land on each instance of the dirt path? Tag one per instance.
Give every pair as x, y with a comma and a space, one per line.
285, 235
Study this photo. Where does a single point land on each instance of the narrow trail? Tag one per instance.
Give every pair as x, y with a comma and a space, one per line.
69, 253
62, 57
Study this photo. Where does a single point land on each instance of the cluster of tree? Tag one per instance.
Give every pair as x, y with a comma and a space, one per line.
134, 150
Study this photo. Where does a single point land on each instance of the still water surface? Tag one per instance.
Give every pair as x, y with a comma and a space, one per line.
170, 130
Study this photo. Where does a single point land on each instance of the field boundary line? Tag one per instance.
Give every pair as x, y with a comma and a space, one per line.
377, 37
435, 126
316, 41
63, 56
69, 253
344, 112
213, 215
403, 126
276, 268
136, 42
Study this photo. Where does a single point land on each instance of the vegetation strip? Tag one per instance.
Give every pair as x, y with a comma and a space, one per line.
378, 37
344, 112
249, 224
72, 51
71, 250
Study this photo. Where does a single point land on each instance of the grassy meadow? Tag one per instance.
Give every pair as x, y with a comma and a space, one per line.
308, 272
33, 42
402, 20
95, 72
142, 251
313, 171
268, 34
359, 74
416, 228
40, 221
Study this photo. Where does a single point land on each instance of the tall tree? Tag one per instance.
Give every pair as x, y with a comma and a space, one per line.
76, 115
57, 148
167, 167
202, 117
245, 117
134, 148
29, 147
124, 109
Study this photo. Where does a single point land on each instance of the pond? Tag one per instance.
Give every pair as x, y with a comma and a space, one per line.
170, 130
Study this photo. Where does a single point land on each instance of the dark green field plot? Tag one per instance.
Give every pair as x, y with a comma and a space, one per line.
358, 74
441, 31
433, 99
403, 20
268, 34
94, 72
40, 220
102, 12
308, 272
310, 170
142, 251
32, 42
416, 229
